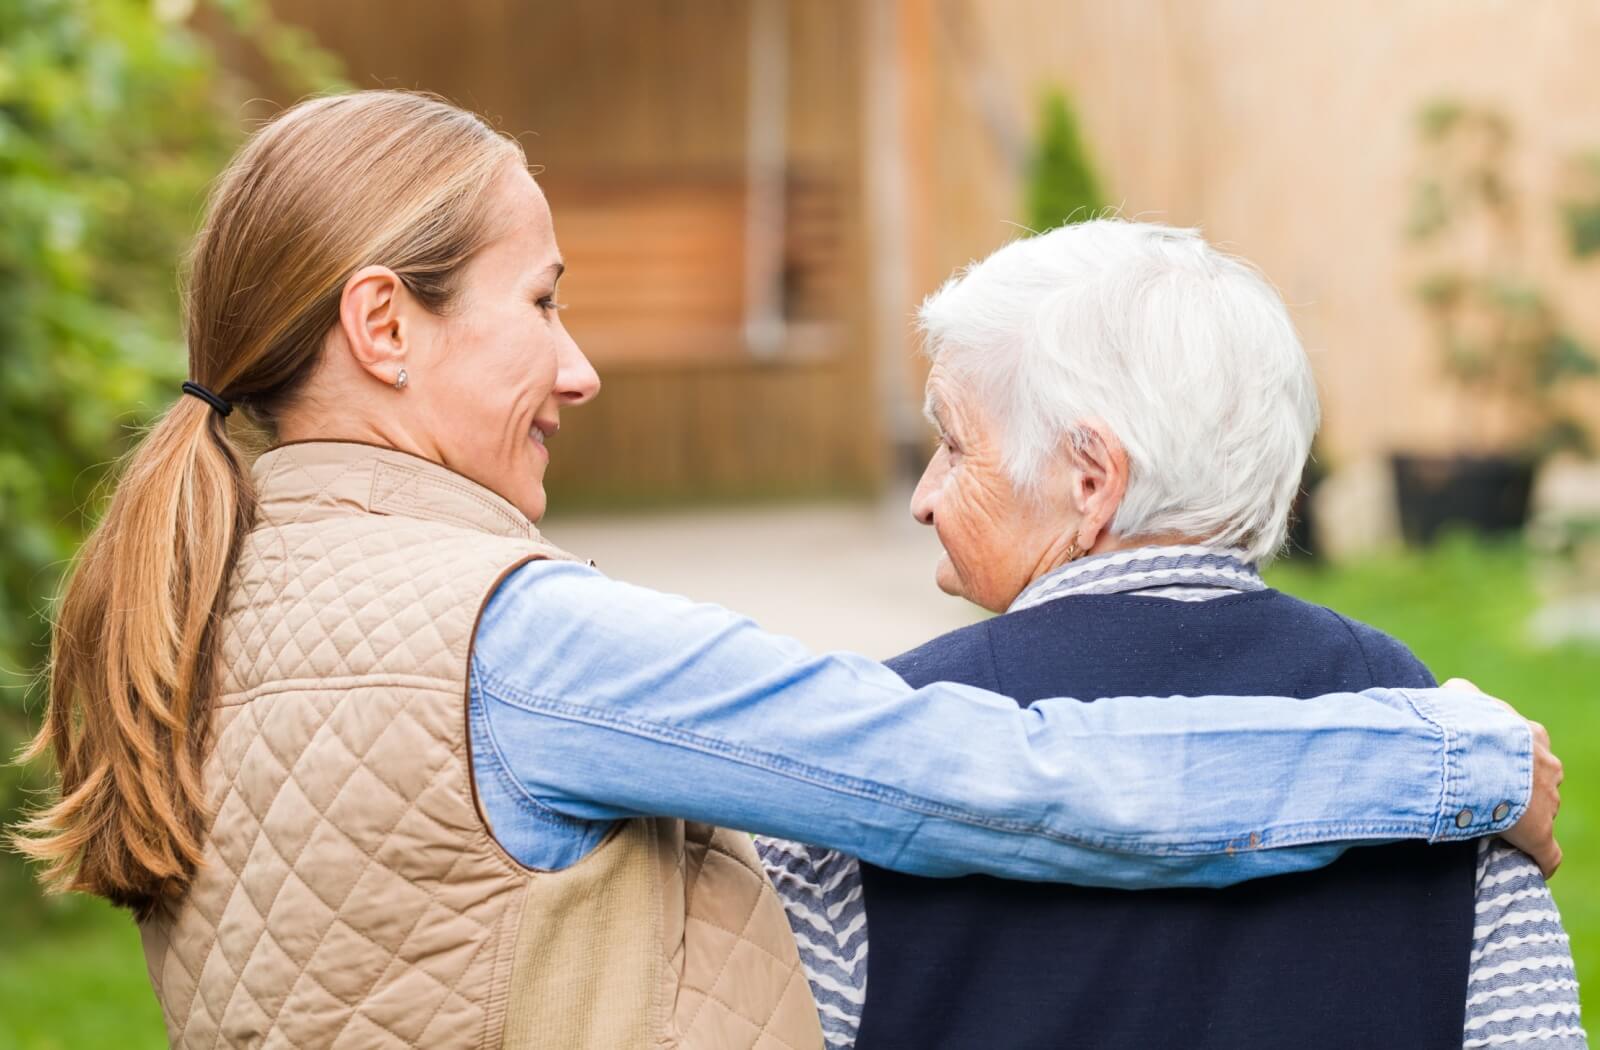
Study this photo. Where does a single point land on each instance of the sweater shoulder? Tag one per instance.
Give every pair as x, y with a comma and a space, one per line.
1391, 661
964, 655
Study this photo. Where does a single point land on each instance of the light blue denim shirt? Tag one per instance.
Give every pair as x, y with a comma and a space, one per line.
593, 700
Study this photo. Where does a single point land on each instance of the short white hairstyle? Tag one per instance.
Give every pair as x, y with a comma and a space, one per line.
1185, 353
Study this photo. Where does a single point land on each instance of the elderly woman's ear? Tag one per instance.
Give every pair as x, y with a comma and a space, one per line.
1099, 481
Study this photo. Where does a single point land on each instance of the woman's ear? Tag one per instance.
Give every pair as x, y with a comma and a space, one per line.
372, 318
1102, 479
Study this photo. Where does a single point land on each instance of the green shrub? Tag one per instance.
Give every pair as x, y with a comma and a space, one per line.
114, 116
1062, 185
1502, 337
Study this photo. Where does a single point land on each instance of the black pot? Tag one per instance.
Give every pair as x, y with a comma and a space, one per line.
1487, 494
1303, 517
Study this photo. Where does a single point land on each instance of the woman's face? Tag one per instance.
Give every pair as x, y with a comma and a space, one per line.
996, 541
487, 381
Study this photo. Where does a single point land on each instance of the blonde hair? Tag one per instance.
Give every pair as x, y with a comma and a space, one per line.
331, 185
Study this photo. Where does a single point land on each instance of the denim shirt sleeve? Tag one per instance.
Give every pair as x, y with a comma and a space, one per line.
595, 700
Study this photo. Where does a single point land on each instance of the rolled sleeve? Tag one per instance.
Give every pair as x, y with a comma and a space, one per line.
1487, 762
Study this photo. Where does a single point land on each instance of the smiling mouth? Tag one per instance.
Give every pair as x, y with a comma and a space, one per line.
540, 433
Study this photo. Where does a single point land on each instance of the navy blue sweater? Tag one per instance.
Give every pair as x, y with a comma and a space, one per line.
1371, 951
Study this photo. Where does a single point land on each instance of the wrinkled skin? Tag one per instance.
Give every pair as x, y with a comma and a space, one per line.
996, 541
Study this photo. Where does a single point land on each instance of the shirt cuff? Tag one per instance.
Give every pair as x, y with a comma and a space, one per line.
1488, 762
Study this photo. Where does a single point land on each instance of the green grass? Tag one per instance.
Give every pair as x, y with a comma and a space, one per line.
77, 978
78, 982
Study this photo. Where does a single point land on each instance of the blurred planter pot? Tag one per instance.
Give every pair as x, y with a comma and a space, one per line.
1304, 526
1488, 494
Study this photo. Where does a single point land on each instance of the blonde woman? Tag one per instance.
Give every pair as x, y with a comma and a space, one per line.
374, 764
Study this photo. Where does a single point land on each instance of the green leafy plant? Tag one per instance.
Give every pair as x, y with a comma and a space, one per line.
1581, 208
114, 117
1500, 335
1062, 185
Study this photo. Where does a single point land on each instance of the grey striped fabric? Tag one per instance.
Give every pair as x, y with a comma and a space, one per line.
821, 891
1188, 573
1522, 990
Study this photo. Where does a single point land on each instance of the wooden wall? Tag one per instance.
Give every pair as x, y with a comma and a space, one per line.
1285, 131
646, 98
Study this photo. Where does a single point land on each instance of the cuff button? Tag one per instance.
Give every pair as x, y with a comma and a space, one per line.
1502, 811
1464, 818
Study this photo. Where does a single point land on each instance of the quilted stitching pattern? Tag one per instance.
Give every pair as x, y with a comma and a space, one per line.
350, 894
742, 984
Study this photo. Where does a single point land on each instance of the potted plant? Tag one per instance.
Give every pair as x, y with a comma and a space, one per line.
1501, 340
1580, 207
1304, 540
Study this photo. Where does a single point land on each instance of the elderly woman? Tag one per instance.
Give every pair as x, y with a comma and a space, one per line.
376, 765
1123, 415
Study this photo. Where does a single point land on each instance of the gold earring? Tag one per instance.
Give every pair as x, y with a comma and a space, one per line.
1074, 552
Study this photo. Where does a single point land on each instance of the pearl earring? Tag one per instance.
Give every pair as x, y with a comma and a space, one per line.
401, 380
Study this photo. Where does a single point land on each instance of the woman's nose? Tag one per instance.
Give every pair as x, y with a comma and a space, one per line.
576, 379
927, 491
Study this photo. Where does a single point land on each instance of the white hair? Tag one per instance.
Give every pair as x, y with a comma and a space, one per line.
1185, 353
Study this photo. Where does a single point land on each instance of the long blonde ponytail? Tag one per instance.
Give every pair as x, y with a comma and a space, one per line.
379, 177
131, 664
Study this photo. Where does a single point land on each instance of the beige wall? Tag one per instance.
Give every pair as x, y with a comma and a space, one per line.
1285, 129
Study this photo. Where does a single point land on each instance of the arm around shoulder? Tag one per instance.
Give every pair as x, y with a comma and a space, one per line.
612, 701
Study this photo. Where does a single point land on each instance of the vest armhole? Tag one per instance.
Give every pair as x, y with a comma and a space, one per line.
499, 849
466, 721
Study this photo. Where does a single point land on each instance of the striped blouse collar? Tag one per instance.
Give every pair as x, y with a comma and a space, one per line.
1196, 568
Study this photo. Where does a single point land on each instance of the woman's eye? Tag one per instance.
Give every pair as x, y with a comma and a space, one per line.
549, 305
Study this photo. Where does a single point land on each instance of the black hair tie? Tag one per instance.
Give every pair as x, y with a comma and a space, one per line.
208, 397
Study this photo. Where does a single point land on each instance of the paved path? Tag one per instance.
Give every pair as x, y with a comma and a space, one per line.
836, 577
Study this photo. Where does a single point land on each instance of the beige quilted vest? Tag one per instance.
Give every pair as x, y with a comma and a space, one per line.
351, 895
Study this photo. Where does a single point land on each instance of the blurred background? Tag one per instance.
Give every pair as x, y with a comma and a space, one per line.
752, 197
